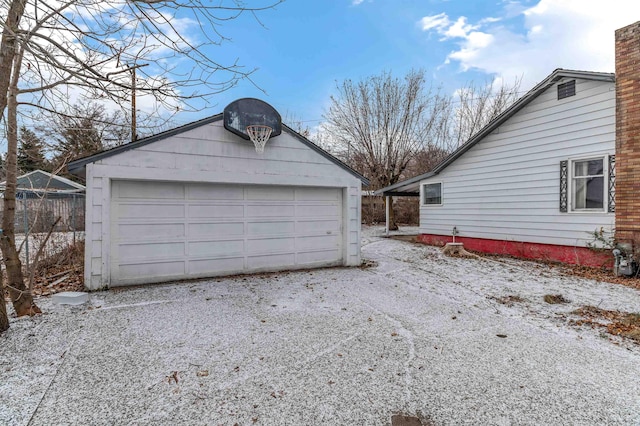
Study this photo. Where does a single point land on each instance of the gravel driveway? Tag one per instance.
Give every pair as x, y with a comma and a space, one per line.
417, 333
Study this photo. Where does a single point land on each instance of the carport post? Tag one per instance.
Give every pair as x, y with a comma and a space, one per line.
386, 214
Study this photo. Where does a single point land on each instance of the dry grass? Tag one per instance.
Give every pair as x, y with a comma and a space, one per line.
61, 271
508, 300
617, 323
555, 299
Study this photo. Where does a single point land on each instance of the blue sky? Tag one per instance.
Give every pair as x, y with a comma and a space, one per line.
306, 46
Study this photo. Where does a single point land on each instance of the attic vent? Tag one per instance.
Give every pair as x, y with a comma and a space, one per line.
566, 89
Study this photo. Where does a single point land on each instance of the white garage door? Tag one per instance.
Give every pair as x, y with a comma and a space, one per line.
164, 230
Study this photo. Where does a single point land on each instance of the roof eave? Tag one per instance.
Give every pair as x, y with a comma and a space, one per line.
326, 155
77, 167
397, 186
536, 91
556, 75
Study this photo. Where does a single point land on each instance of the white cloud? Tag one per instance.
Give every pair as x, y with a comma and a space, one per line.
356, 2
575, 34
439, 22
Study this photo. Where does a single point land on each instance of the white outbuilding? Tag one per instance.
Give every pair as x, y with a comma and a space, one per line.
200, 201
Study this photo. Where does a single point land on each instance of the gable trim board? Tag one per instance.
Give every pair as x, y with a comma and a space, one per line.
200, 202
503, 185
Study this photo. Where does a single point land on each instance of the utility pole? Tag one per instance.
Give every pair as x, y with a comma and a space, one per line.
132, 69
134, 135
134, 126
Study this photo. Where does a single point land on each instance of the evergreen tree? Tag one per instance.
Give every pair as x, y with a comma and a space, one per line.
86, 129
30, 152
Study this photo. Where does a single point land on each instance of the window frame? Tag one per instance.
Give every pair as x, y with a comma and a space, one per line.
605, 184
422, 193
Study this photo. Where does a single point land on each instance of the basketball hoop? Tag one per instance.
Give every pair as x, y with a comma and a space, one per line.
259, 135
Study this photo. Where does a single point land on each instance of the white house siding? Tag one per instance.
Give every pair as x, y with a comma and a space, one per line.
506, 187
211, 154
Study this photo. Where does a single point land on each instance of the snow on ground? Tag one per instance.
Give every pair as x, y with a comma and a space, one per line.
416, 333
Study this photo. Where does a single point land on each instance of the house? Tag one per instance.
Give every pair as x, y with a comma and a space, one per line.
45, 200
199, 201
552, 169
38, 182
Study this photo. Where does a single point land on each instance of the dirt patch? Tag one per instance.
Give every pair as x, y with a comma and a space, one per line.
617, 323
508, 300
408, 420
368, 264
555, 299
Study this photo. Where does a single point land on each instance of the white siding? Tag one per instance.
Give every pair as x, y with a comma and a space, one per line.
211, 154
506, 187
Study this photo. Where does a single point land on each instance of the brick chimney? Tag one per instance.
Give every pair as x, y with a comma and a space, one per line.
628, 135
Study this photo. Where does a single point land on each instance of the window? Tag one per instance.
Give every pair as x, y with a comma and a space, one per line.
588, 184
566, 89
432, 194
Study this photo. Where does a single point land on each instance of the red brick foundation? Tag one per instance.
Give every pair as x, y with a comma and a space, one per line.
548, 252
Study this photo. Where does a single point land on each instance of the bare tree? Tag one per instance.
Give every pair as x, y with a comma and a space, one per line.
82, 130
4, 319
294, 121
390, 129
472, 107
382, 122
52, 51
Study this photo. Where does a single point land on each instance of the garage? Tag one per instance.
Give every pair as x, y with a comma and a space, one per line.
163, 231
207, 200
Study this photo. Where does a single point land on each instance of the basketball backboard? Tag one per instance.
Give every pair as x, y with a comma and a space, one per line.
250, 111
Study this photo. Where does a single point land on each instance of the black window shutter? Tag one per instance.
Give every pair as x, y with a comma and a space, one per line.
612, 184
563, 185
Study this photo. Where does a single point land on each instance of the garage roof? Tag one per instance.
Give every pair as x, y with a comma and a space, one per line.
77, 167
411, 187
39, 180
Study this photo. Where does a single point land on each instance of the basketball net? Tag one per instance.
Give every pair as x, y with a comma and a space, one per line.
259, 135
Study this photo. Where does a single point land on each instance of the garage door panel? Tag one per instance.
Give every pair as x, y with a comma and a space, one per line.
270, 193
318, 242
316, 194
217, 211
135, 231
151, 190
317, 226
150, 211
138, 271
153, 250
271, 261
216, 248
214, 229
214, 192
216, 266
270, 228
317, 210
270, 210
222, 229
318, 257
270, 245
